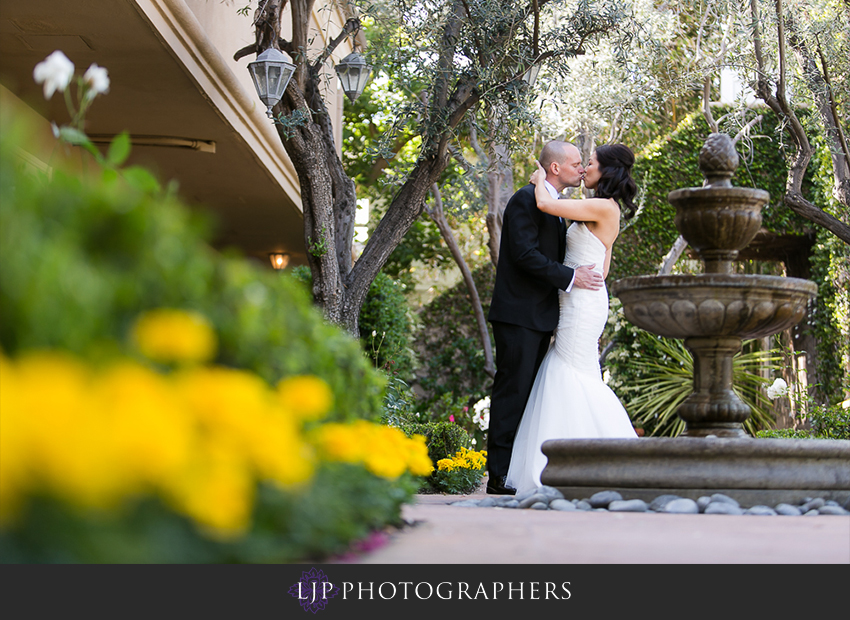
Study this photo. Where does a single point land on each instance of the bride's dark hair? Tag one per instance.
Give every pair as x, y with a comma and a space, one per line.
615, 167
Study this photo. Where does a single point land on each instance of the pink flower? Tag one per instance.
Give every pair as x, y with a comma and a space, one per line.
451, 418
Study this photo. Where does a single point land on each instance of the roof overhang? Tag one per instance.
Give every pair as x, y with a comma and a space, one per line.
177, 90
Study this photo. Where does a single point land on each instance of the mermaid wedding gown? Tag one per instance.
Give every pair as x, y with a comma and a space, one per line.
569, 400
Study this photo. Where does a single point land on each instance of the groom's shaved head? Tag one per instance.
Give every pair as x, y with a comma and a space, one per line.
554, 151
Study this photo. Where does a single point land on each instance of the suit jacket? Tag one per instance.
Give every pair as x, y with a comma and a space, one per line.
530, 269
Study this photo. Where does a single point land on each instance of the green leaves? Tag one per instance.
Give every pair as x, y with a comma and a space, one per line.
119, 150
664, 369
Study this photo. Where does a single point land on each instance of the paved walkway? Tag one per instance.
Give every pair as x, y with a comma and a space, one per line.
443, 534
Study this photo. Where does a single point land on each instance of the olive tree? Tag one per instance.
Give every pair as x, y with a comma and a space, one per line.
462, 56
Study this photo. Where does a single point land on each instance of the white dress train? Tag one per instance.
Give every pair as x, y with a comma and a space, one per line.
569, 400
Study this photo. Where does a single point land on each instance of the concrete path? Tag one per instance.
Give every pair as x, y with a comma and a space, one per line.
443, 534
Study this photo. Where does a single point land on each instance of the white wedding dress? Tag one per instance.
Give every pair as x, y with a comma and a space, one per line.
569, 400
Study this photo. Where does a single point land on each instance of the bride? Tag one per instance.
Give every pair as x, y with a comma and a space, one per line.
569, 400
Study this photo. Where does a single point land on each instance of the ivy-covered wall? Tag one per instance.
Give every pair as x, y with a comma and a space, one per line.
671, 163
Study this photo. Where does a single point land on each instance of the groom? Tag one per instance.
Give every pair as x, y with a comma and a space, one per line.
524, 311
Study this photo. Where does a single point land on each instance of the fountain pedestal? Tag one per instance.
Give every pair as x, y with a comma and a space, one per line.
712, 312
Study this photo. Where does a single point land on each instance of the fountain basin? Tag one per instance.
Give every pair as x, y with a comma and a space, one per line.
753, 471
713, 304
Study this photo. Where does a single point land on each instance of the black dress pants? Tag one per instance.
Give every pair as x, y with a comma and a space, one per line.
519, 353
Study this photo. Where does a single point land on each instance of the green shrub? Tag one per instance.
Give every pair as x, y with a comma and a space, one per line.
444, 439
826, 423
783, 433
460, 474
830, 422
386, 325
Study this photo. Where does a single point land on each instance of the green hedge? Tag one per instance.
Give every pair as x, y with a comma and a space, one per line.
386, 324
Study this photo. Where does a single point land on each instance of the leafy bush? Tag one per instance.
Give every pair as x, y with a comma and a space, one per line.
386, 325
830, 422
460, 474
109, 419
443, 439
783, 433
826, 422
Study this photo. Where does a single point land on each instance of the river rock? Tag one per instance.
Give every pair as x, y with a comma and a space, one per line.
659, 502
764, 511
562, 505
719, 497
813, 504
723, 508
832, 510
628, 505
681, 506
550, 492
465, 502
787, 510
603, 498
534, 499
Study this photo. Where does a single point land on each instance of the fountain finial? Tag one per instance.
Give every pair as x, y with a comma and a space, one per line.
718, 160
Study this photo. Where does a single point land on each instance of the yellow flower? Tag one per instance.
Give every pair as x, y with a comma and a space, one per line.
418, 460
340, 442
217, 492
446, 465
153, 435
14, 448
385, 451
308, 397
167, 335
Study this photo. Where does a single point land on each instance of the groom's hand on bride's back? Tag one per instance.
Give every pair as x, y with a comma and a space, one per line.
587, 278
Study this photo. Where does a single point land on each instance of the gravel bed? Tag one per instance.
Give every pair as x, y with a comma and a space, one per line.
550, 498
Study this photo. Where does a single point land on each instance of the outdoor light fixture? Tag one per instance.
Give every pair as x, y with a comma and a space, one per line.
271, 73
279, 260
353, 73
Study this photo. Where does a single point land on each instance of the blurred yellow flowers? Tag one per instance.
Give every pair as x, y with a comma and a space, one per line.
166, 335
384, 450
200, 438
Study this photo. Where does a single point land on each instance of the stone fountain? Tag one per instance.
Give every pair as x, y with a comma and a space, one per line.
712, 312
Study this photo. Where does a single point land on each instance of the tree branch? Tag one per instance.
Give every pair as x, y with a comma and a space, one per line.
352, 25
438, 216
706, 104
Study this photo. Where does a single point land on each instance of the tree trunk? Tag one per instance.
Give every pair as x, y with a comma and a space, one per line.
500, 179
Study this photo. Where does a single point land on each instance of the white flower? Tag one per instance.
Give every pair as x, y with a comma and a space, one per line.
97, 80
55, 72
779, 388
482, 413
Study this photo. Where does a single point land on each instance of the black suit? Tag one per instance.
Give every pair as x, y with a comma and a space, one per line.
523, 314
